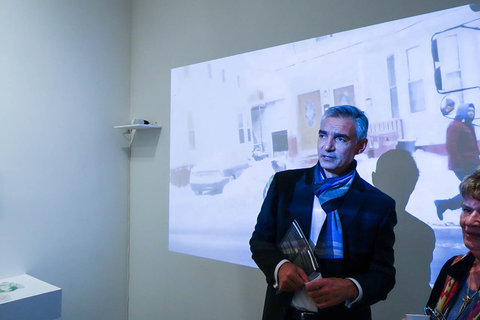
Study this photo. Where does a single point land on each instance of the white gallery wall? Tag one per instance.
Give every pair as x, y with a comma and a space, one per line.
69, 71
64, 84
175, 33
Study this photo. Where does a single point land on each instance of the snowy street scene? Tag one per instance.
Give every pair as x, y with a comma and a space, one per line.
238, 120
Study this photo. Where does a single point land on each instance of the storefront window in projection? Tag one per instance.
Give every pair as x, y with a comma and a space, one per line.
236, 121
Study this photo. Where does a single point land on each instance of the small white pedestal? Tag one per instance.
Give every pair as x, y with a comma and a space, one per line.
35, 300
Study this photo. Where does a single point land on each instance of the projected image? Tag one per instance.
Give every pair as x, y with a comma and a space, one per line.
236, 121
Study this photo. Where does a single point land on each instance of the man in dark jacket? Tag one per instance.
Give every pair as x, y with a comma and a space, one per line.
350, 221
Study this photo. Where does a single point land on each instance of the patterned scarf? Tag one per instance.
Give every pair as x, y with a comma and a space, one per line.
330, 193
448, 296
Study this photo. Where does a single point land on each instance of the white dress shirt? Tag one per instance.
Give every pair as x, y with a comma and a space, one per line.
300, 299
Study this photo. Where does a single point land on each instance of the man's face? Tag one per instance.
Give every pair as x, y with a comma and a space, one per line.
470, 223
337, 145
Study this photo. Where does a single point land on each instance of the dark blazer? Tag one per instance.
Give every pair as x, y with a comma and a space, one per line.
368, 217
458, 271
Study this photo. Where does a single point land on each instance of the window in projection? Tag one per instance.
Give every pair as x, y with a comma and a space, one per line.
236, 121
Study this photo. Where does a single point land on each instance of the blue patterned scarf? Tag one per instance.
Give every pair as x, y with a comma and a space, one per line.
330, 193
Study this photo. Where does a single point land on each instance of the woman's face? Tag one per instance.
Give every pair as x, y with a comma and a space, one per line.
470, 223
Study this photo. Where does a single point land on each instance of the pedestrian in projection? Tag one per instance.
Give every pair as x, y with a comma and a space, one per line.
462, 150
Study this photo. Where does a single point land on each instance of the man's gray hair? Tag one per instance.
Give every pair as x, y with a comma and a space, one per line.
347, 111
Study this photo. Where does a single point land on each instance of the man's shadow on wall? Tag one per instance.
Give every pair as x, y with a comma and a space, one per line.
397, 174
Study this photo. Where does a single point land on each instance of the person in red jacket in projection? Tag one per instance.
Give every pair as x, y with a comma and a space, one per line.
462, 149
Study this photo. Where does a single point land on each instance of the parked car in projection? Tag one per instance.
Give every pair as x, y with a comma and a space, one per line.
211, 175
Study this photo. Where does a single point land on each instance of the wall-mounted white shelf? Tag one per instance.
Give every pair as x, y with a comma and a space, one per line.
30, 299
137, 124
